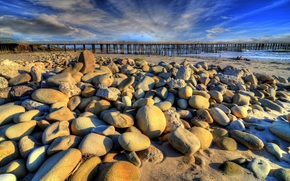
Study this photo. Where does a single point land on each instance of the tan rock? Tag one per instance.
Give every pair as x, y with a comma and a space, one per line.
27, 116
27, 144
49, 96
63, 143
219, 116
198, 102
185, 92
82, 126
119, 120
55, 130
97, 107
8, 111
8, 152
88, 60
204, 136
17, 131
240, 111
16, 167
132, 141
62, 114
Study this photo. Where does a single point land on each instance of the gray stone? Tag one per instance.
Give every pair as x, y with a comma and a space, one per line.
282, 174
260, 167
36, 158
110, 94
31, 105
250, 141
20, 79
281, 129
56, 80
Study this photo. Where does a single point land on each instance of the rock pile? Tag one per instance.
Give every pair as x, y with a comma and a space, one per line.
69, 119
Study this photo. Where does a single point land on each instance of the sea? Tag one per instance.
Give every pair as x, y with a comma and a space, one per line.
259, 55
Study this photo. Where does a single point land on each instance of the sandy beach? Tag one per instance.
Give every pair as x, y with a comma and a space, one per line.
207, 161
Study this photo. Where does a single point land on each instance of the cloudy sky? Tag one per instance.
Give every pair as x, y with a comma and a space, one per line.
146, 20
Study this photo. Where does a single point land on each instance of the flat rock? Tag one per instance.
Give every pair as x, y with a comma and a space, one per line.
58, 166
118, 120
226, 143
58, 79
17, 131
82, 126
36, 158
49, 96
184, 141
27, 116
31, 105
146, 83
198, 102
62, 114
95, 144
8, 111
132, 141
27, 144
63, 143
219, 116
110, 94
8, 152
20, 79
55, 130
231, 168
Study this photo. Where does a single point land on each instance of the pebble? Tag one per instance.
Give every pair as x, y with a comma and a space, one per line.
8, 111
250, 141
16, 167
281, 129
133, 158
231, 168
219, 116
62, 114
63, 143
19, 130
198, 102
55, 130
82, 126
27, 144
204, 136
49, 96
274, 149
132, 141
8, 152
118, 120
36, 158
260, 167
282, 174
8, 177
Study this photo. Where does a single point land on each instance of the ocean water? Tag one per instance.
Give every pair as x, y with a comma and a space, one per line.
261, 55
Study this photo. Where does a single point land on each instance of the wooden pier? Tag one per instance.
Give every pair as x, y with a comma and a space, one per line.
156, 48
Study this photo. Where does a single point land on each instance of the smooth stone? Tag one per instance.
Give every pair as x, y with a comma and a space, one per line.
143, 102
204, 114
274, 150
182, 103
74, 102
119, 120
49, 96
219, 132
250, 141
226, 143
204, 136
8, 112
164, 105
237, 125
139, 93
271, 105
162, 92
36, 158
219, 116
151, 154
88, 77
95, 144
132, 141
88, 59
20, 79
8, 152
172, 121
133, 158
127, 101
8, 177
185, 114
106, 79
88, 91
188, 159
27, 144
17, 131
184, 141
88, 170
260, 167
217, 96
55, 130
231, 168
62, 114
97, 107
27, 116
63, 143
281, 129
282, 174
126, 83
146, 83
59, 165
58, 79
104, 130
82, 126
184, 73
198, 102
2, 131
16, 167
240, 111
241, 100
150, 120
56, 106
120, 170
36, 73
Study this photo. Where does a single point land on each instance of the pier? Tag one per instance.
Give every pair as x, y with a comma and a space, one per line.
154, 48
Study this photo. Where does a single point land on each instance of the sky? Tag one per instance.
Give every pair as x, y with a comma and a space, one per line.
145, 20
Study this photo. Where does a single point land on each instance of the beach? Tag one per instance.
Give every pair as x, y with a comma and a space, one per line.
176, 165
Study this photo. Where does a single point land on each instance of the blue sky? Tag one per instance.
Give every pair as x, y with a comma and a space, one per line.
146, 20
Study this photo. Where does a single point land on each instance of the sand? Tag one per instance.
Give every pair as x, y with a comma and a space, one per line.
173, 168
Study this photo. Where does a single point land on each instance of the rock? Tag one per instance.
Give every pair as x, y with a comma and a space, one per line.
104, 130
176, 83
36, 73
49, 96
198, 102
172, 121
240, 111
274, 149
58, 166
237, 125
10, 69
58, 79
105, 79
20, 79
185, 92
3, 83
110, 94
184, 73
27, 116
204, 136
271, 105
219, 116
119, 120
88, 170
8, 152
8, 111
281, 129
126, 83
241, 100
250, 141
184, 141
146, 83
15, 167
120, 170
8, 177
27, 144
132, 141
282, 174
150, 120
82, 126
217, 96
133, 158
74, 102
88, 60
188, 159
231, 168
69, 89
95, 144
227, 143
97, 107
55, 130
260, 167
251, 78
151, 154
63, 143
182, 103
17, 131
62, 114
36, 158
31, 105
88, 91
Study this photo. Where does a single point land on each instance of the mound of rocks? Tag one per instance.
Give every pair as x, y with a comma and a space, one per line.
59, 116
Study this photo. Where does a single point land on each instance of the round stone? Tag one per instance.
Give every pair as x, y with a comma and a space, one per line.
227, 143
132, 141
82, 126
231, 168
8, 111
204, 136
63, 143
150, 120
198, 102
219, 116
260, 167
49, 96
240, 111
55, 130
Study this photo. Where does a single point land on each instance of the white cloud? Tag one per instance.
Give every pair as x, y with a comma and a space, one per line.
217, 30
63, 4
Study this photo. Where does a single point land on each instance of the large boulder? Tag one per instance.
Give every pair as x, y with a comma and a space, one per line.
88, 60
